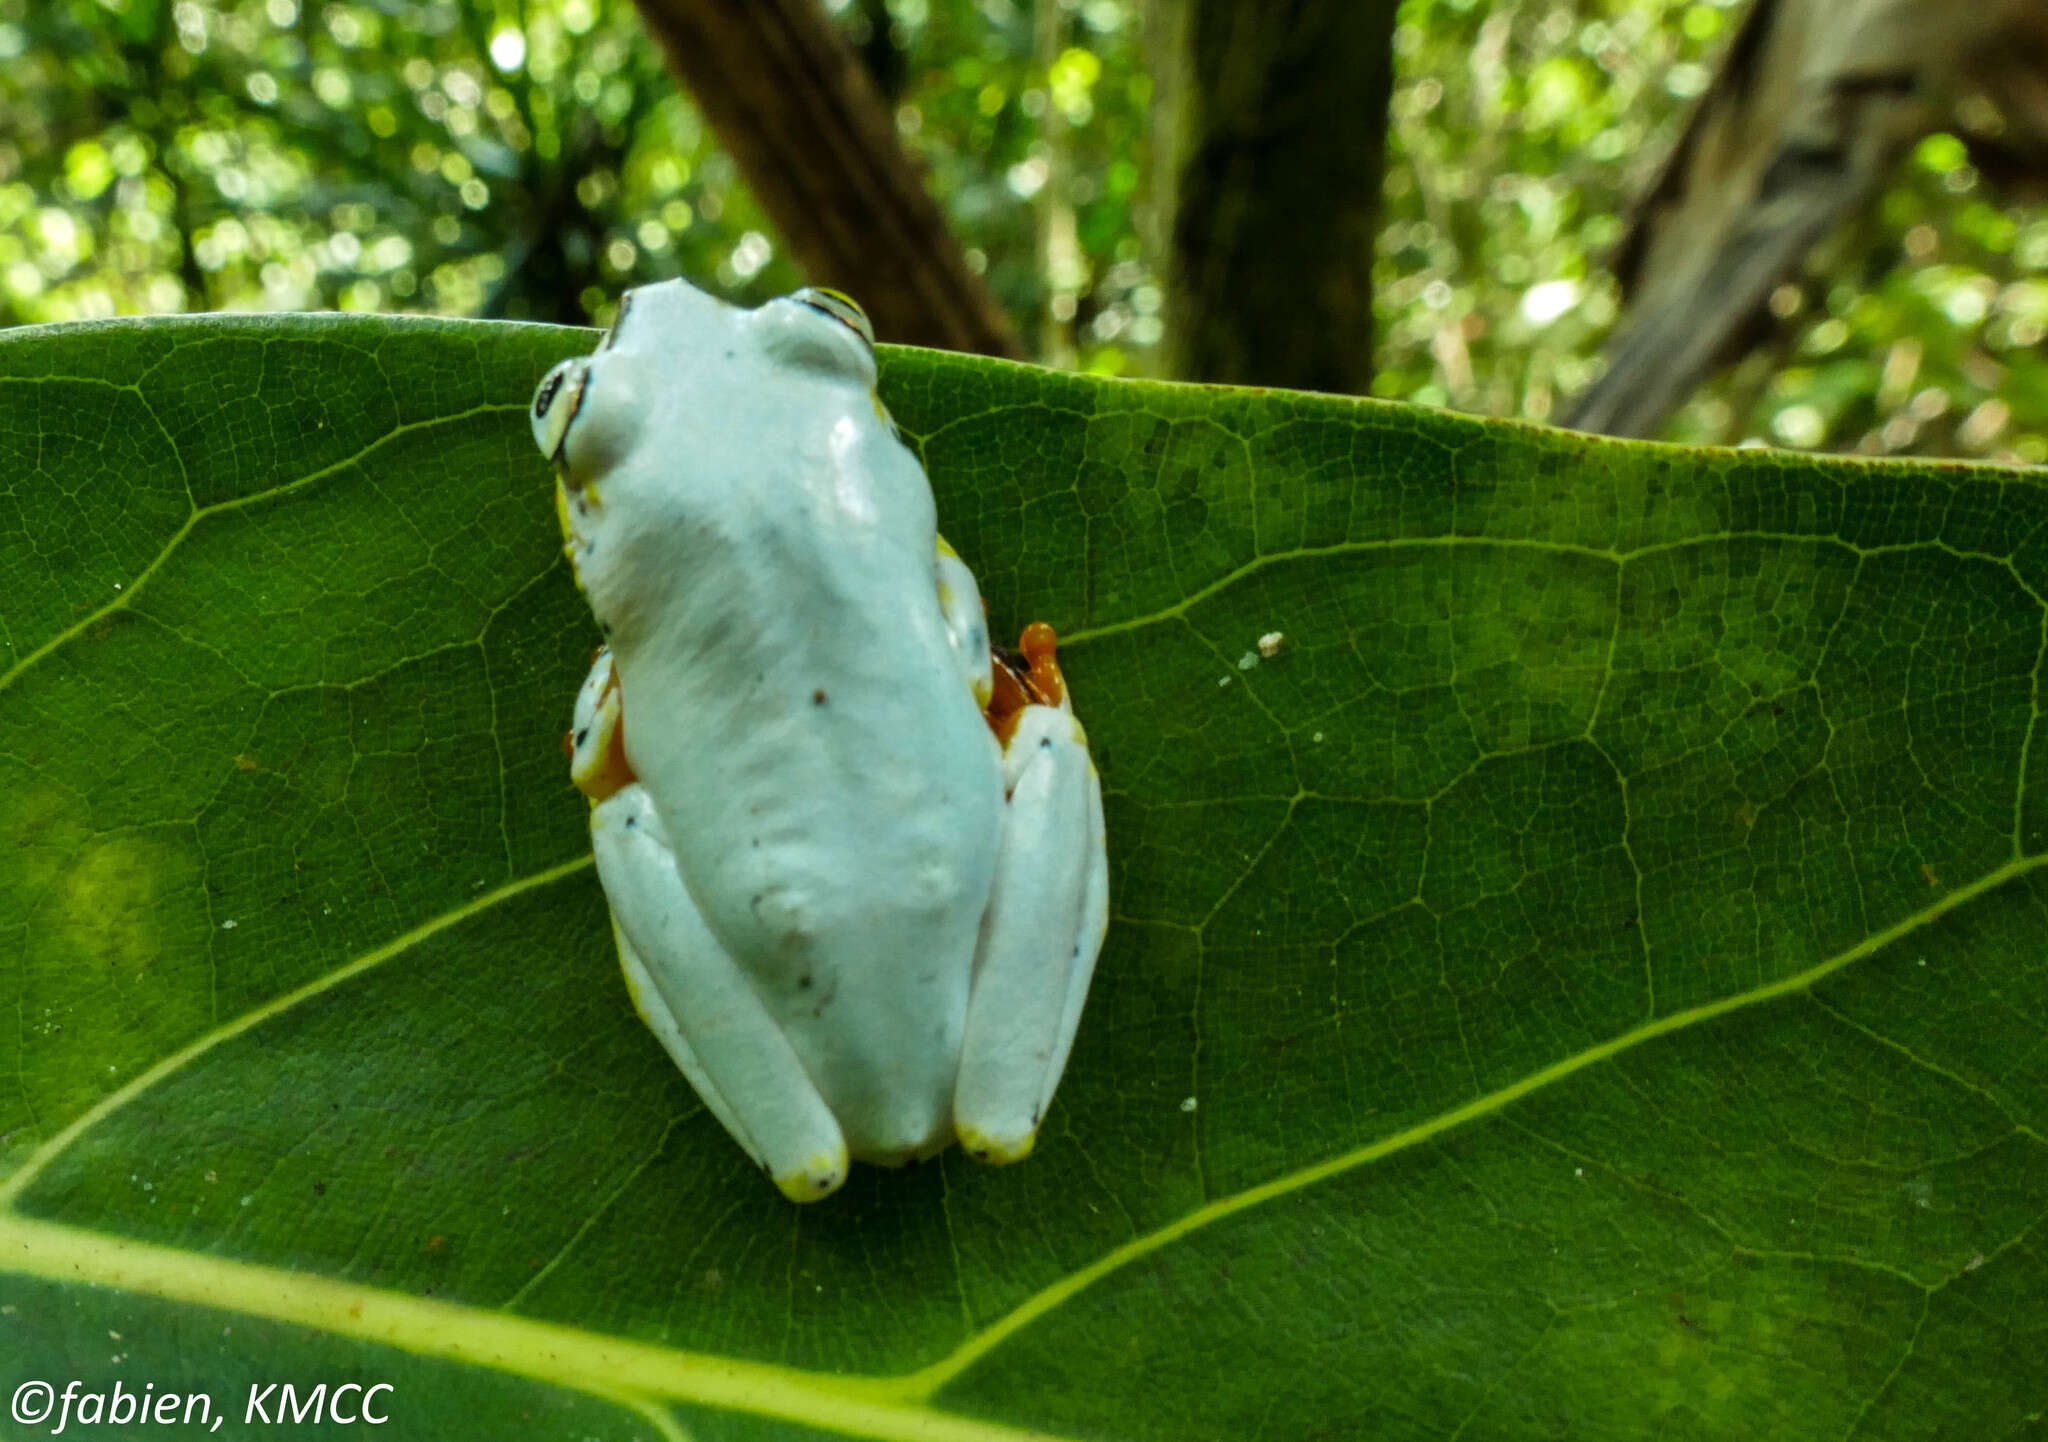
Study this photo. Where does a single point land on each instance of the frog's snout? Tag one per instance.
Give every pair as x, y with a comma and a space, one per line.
555, 403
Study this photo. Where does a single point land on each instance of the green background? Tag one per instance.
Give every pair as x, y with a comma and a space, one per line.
1590, 982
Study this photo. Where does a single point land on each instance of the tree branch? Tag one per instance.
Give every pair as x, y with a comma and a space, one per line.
789, 99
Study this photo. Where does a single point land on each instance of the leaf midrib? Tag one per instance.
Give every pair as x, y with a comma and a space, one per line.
615, 1368
897, 1408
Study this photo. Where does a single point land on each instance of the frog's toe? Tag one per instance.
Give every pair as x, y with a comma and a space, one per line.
818, 1178
999, 1147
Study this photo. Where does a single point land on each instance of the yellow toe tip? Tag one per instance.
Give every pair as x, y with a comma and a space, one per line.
997, 1151
815, 1180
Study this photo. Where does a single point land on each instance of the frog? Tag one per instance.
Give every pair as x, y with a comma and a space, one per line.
854, 854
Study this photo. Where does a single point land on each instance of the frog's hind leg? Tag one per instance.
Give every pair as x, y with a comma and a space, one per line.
758, 1087
1039, 941
662, 1022
1094, 929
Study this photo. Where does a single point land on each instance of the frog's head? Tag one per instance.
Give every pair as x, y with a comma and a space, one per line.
689, 407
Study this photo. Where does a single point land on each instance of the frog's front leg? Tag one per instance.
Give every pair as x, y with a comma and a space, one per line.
1047, 914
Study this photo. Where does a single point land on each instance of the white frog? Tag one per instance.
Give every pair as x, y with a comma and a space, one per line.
855, 860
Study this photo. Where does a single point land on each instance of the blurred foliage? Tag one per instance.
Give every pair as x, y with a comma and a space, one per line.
273, 154
1519, 134
529, 158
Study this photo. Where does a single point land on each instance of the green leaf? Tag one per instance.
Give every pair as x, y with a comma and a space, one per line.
1592, 980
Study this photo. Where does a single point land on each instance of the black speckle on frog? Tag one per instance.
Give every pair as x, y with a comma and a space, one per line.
825, 997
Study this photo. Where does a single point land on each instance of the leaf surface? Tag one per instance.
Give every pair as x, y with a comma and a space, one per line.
1591, 980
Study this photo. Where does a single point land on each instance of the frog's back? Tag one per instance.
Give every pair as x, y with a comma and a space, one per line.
832, 791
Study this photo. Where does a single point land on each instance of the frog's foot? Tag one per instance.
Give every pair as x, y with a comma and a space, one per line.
1029, 676
704, 1011
1047, 916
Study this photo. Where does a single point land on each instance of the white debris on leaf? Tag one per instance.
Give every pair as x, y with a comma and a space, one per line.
1270, 644
1248, 660
1188, 1105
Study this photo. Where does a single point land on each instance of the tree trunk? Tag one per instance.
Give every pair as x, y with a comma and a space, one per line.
1814, 104
789, 99
1273, 121
1060, 264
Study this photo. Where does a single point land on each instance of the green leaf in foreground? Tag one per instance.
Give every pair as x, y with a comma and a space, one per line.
1592, 981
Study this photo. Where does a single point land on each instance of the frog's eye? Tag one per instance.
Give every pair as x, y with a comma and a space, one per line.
555, 403
840, 306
